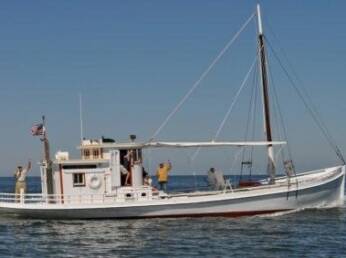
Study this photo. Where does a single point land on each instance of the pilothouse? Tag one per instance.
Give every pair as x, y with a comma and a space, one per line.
100, 171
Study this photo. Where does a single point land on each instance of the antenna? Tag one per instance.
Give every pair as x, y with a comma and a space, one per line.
81, 117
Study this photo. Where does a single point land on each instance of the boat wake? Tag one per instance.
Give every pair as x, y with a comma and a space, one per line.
321, 207
280, 213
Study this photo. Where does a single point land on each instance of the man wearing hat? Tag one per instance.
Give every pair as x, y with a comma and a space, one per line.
20, 175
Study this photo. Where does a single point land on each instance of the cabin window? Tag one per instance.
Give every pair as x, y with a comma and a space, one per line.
78, 179
80, 166
96, 153
86, 154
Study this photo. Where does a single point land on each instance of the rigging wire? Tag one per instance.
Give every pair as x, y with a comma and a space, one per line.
313, 107
284, 129
297, 77
252, 111
250, 121
310, 109
235, 98
200, 79
222, 124
229, 111
254, 118
236, 157
192, 168
288, 166
279, 118
289, 151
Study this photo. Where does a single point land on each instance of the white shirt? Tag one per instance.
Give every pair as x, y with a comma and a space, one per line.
123, 170
21, 175
216, 180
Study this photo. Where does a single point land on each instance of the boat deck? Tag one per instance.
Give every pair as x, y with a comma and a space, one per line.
145, 195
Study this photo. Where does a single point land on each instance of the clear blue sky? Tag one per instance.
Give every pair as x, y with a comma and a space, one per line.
134, 60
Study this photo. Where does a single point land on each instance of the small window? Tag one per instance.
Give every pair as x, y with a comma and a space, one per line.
81, 166
78, 179
96, 153
86, 154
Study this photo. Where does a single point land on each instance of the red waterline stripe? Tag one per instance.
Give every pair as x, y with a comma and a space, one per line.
218, 214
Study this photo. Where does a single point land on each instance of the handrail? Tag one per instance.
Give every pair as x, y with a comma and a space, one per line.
144, 193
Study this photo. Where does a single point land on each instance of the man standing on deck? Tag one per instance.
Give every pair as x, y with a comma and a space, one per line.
162, 174
216, 180
20, 175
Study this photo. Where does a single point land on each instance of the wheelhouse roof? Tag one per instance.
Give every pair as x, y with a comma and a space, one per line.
81, 161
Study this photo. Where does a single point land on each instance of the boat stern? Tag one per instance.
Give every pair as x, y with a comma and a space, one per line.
342, 186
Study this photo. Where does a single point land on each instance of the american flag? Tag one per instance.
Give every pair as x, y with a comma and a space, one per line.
37, 130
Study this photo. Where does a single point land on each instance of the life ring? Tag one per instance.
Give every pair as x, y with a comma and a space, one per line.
95, 182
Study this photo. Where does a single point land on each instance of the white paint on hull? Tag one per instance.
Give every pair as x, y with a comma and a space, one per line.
323, 188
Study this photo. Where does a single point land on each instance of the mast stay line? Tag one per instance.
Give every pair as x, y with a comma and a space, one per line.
226, 117
200, 79
221, 126
311, 109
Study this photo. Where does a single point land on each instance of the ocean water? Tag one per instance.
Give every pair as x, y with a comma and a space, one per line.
309, 233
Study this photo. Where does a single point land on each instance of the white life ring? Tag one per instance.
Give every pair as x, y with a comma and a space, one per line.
95, 182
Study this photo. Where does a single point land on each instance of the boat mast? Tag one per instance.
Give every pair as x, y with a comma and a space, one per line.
265, 95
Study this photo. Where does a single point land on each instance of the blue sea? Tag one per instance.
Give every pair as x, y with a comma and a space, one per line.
312, 233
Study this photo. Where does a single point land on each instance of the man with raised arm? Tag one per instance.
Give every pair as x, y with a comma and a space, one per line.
20, 176
162, 174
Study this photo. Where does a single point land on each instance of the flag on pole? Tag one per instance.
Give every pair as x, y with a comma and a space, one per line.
37, 130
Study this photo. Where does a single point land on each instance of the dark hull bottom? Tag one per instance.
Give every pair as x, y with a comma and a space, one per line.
198, 215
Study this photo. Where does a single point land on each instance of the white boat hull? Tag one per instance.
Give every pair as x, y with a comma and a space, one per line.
324, 188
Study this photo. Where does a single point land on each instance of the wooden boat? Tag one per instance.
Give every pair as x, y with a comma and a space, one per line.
91, 187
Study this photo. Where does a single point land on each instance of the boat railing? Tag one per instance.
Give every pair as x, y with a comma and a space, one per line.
66, 199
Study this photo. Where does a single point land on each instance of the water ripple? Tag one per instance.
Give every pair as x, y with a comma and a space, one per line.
308, 233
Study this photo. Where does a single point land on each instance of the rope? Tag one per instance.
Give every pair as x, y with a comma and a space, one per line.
312, 108
282, 121
249, 117
236, 157
234, 100
289, 152
195, 154
254, 117
251, 122
200, 79
314, 114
